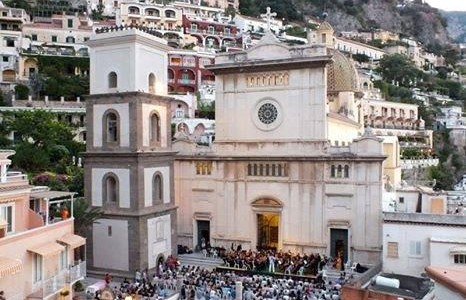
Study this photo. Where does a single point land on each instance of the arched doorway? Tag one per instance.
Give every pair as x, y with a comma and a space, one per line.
267, 213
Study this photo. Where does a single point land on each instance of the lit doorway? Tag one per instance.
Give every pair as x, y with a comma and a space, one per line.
267, 231
339, 246
203, 233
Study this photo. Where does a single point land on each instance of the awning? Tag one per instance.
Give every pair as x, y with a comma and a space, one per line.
48, 249
73, 240
9, 266
50, 195
458, 250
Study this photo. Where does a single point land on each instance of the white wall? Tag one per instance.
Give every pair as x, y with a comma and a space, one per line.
403, 234
158, 238
442, 292
110, 251
123, 185
148, 183
123, 112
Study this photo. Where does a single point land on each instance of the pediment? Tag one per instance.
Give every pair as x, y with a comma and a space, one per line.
269, 51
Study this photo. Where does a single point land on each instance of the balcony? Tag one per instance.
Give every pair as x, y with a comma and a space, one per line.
76, 272
186, 81
49, 287
208, 82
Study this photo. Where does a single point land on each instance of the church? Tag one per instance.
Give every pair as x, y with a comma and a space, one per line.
291, 167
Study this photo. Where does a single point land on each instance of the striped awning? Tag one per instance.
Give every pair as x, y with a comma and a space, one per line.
458, 250
73, 240
48, 249
9, 266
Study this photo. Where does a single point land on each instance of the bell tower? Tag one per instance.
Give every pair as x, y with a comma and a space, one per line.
128, 166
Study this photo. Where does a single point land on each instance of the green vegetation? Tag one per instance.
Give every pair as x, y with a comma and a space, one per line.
297, 31
285, 9
41, 142
397, 68
21, 91
84, 216
61, 76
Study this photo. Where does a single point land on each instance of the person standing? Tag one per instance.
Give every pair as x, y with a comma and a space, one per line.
271, 263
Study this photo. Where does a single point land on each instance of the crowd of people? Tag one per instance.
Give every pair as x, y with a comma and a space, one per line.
196, 283
272, 261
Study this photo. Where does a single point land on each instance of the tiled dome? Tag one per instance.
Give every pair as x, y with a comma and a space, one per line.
341, 74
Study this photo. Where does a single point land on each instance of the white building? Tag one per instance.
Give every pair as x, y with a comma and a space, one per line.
414, 241
255, 25
354, 47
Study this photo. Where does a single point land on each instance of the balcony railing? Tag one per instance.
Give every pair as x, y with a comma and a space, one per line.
186, 81
50, 286
76, 272
208, 82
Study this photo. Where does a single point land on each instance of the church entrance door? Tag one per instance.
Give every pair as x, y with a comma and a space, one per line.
203, 233
339, 246
267, 231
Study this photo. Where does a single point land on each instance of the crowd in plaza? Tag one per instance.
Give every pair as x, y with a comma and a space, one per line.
196, 283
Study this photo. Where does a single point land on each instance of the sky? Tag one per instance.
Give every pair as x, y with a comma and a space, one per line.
448, 5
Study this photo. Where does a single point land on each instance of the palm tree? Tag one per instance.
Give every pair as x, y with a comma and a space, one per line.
84, 216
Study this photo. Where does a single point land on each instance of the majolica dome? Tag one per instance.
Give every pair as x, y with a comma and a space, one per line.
341, 74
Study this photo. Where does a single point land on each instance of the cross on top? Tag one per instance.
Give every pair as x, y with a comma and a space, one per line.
268, 15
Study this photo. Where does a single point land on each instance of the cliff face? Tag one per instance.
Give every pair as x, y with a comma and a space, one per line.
412, 19
456, 25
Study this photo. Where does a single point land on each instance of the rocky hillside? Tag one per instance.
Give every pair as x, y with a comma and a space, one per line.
413, 19
456, 25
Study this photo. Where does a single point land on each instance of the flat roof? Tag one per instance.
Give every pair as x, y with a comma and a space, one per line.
50, 194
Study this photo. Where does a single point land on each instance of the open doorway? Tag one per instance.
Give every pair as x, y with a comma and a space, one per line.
267, 231
339, 247
203, 233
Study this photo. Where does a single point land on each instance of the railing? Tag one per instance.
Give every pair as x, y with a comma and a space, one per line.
76, 272
208, 82
407, 164
186, 81
50, 286
171, 80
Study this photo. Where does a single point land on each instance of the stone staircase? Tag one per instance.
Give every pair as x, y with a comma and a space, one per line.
198, 259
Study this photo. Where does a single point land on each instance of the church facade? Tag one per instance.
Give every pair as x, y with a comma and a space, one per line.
291, 167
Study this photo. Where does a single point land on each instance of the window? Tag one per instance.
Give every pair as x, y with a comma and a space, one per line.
63, 259
415, 248
339, 171
205, 168
346, 171
109, 230
154, 129
6, 214
157, 188
34, 37
112, 80
460, 258
112, 127
211, 29
37, 267
115, 3
332, 171
54, 38
159, 231
401, 200
392, 249
324, 38
110, 189
5, 58
266, 169
70, 23
70, 40
151, 83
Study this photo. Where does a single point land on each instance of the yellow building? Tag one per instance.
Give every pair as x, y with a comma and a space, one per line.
40, 256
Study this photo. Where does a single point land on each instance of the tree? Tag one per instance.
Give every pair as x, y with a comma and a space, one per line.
84, 215
399, 69
41, 141
21, 91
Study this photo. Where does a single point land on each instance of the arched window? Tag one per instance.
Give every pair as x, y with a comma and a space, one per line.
332, 171
110, 189
112, 80
346, 171
111, 122
249, 169
154, 129
157, 191
151, 83
339, 171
